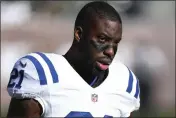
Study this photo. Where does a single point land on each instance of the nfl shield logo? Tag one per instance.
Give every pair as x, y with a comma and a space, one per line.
94, 97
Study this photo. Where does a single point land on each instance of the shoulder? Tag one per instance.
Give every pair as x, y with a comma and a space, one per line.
32, 73
127, 85
38, 65
127, 79
32, 76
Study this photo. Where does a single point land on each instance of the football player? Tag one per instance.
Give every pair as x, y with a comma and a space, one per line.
85, 82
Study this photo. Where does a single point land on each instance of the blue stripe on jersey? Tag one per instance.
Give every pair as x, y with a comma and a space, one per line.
51, 67
137, 89
130, 82
39, 68
77, 114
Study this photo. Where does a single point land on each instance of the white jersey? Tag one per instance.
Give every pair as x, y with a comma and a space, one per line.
51, 80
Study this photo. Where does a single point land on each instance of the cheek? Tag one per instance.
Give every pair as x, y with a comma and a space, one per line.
97, 47
94, 50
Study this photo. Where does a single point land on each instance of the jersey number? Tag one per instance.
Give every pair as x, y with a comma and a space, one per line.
82, 115
16, 74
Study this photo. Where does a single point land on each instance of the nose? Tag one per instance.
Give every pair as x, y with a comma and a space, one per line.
109, 52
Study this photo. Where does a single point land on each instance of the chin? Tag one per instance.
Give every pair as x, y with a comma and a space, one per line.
96, 71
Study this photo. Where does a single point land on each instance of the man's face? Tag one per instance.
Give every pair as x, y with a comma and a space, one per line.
102, 38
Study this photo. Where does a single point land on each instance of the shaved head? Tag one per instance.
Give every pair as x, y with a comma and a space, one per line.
96, 9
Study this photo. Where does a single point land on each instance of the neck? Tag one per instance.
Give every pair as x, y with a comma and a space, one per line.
82, 68
78, 63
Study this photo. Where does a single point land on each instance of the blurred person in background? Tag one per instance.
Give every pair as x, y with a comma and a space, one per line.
81, 83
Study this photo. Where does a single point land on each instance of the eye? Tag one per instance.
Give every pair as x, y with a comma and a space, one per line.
117, 42
101, 39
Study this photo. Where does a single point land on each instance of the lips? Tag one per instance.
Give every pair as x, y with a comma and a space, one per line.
103, 65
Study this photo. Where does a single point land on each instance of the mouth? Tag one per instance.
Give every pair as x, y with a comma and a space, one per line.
103, 65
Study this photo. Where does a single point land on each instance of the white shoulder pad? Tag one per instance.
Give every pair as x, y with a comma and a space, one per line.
133, 85
30, 75
127, 88
133, 90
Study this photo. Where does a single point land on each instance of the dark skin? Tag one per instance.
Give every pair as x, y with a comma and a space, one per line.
24, 108
98, 42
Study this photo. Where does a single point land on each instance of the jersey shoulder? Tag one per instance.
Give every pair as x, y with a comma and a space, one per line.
32, 74
127, 87
126, 77
127, 84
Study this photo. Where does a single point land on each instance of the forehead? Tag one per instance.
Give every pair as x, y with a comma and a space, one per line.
108, 27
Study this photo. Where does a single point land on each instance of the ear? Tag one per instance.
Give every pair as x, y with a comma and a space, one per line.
78, 33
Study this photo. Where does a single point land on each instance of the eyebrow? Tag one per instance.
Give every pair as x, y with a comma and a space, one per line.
106, 35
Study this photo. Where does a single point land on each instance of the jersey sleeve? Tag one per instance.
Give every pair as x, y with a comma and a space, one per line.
133, 95
28, 80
